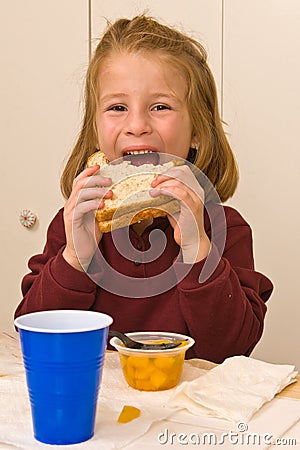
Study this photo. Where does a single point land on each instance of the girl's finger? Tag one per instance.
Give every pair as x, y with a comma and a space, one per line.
165, 182
89, 175
91, 182
89, 171
188, 200
86, 207
98, 180
93, 193
159, 179
182, 174
171, 191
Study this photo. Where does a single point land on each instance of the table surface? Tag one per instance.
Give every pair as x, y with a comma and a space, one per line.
7, 339
10, 349
291, 391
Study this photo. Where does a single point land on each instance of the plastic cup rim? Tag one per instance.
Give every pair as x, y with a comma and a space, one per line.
114, 342
18, 321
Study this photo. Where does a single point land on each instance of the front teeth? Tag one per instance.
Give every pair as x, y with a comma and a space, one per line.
138, 152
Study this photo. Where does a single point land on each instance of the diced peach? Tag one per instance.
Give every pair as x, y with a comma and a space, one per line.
164, 363
139, 362
128, 413
158, 379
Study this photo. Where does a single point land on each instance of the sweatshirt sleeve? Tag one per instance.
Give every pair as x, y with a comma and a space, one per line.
52, 283
228, 308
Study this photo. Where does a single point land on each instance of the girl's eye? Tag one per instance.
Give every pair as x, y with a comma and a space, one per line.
117, 108
161, 107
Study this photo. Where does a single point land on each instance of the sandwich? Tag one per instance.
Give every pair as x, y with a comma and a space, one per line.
131, 201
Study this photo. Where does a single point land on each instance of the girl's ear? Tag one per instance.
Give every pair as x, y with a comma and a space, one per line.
194, 142
194, 145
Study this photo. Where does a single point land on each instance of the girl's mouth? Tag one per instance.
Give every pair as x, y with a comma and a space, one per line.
140, 157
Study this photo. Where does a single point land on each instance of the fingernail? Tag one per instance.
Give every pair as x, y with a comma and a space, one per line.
108, 194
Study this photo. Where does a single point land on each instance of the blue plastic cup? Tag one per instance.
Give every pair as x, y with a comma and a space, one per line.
63, 353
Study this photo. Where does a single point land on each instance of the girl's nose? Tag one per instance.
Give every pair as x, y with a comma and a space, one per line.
138, 123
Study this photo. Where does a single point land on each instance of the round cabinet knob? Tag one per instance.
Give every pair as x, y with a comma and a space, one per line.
27, 218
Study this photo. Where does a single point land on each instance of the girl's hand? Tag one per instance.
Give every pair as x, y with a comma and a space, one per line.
188, 224
82, 231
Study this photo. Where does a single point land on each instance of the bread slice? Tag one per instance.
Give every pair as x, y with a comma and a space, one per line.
97, 158
125, 220
131, 201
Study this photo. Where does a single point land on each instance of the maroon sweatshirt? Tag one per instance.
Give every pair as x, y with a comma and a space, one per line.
143, 284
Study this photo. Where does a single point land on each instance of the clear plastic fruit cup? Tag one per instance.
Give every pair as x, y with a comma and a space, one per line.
153, 370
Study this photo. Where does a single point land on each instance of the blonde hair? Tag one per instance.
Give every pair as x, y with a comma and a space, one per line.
144, 34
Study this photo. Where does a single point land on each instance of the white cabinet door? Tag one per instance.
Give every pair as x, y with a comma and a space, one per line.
200, 18
261, 106
44, 52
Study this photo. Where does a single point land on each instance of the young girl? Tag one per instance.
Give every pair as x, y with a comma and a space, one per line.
149, 87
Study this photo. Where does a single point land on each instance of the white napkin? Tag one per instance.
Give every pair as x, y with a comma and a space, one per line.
234, 390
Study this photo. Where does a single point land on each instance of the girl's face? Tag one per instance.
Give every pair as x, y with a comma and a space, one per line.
141, 106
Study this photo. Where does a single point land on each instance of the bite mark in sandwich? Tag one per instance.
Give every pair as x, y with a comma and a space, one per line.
138, 158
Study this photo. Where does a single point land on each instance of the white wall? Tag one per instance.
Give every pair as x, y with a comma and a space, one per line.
253, 48
261, 106
44, 53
